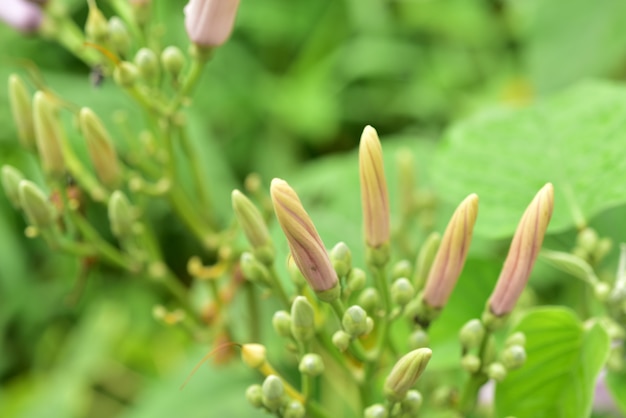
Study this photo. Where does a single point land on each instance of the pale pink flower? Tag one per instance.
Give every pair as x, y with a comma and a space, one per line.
210, 22
20, 14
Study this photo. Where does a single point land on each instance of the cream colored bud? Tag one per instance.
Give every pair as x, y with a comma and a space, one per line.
48, 135
22, 111
405, 373
100, 148
39, 211
250, 220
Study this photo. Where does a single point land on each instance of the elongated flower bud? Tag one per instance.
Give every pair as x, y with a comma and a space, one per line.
374, 196
22, 111
120, 215
405, 373
209, 23
100, 148
451, 253
305, 243
523, 252
38, 209
11, 178
21, 15
251, 221
119, 36
96, 27
48, 134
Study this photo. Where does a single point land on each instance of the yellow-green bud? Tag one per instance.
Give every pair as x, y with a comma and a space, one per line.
302, 319
118, 36
173, 61
96, 27
121, 216
418, 339
341, 258
425, 259
273, 391
251, 221
311, 365
497, 372
472, 334
39, 211
376, 411
412, 402
405, 373
513, 357
11, 178
602, 291
402, 291
22, 111
294, 409
100, 148
587, 239
125, 74
254, 355
341, 340
354, 321
369, 299
147, 64
356, 280
470, 363
570, 263
48, 135
401, 269
517, 338
254, 395
254, 270
602, 249
281, 321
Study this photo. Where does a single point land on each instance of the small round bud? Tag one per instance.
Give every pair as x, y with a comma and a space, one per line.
173, 61
254, 270
356, 280
341, 340
254, 355
412, 402
470, 363
118, 35
401, 269
418, 339
294, 409
602, 291
472, 334
402, 291
281, 321
147, 63
602, 249
369, 299
302, 319
354, 321
497, 372
517, 338
341, 257
273, 391
375, 411
125, 74
254, 395
311, 365
587, 239
513, 357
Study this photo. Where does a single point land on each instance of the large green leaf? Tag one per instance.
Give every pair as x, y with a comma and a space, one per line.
564, 359
574, 140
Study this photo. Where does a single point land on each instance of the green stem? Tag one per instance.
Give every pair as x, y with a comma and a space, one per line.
70, 36
469, 393
278, 287
181, 204
197, 65
253, 309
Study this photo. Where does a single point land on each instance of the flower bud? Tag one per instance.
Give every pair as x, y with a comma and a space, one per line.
517, 338
513, 357
412, 402
209, 23
96, 27
273, 391
418, 339
376, 411
472, 334
401, 269
302, 319
425, 259
22, 15
602, 249
405, 373
121, 216
281, 321
118, 36
587, 239
341, 258
48, 135
254, 355
173, 61
571, 264
369, 299
39, 211
451, 254
22, 111
254, 395
254, 270
356, 280
100, 148
306, 246
354, 321
251, 221
374, 196
311, 365
602, 291
125, 74
471, 363
294, 409
523, 252
148, 65
341, 340
11, 178
497, 372
402, 291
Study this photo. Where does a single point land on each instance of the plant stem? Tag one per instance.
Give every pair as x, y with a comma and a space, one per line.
467, 401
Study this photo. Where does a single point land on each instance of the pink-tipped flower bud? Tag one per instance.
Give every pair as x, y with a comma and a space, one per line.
209, 23
523, 252
22, 15
306, 246
451, 253
374, 196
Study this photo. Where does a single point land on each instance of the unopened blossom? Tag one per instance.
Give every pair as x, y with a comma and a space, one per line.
209, 23
451, 253
523, 252
374, 196
405, 373
307, 248
22, 15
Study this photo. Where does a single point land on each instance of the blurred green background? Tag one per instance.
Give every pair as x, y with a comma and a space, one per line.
287, 96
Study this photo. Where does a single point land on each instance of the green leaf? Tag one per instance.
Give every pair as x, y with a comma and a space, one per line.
564, 359
574, 140
616, 383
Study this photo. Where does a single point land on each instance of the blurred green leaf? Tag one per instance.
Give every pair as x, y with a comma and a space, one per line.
573, 140
564, 359
616, 383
